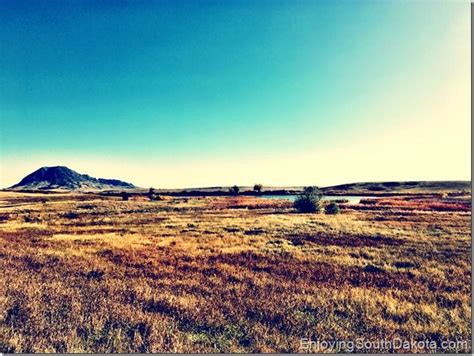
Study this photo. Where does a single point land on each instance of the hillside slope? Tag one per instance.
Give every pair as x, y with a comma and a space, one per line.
64, 178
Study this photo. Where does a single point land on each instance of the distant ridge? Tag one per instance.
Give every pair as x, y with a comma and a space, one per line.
401, 187
388, 188
64, 178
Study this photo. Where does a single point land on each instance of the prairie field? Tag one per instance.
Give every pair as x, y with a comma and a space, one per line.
89, 273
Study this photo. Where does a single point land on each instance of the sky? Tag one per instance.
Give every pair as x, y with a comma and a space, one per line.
176, 94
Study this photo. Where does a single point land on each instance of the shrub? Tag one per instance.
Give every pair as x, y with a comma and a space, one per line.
152, 195
87, 206
308, 201
341, 201
71, 215
332, 208
95, 275
125, 196
257, 188
234, 190
31, 219
368, 201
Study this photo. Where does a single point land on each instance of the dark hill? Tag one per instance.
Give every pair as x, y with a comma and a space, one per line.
63, 178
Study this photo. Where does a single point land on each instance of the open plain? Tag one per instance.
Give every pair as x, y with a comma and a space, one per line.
88, 273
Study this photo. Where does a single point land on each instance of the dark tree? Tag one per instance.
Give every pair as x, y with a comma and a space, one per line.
257, 188
234, 190
125, 196
153, 195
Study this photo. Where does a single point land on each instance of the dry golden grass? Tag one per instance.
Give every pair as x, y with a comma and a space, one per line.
83, 273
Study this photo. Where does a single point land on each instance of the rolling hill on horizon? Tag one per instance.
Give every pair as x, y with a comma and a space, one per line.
61, 178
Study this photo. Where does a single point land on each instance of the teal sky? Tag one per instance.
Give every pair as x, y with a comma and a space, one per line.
218, 86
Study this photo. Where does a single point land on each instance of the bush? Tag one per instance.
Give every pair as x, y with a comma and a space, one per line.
257, 188
125, 196
234, 190
368, 201
332, 208
153, 195
308, 201
31, 219
70, 215
87, 206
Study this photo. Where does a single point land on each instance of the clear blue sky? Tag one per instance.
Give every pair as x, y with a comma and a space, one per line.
158, 82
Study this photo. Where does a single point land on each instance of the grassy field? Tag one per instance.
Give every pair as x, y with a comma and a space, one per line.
83, 273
